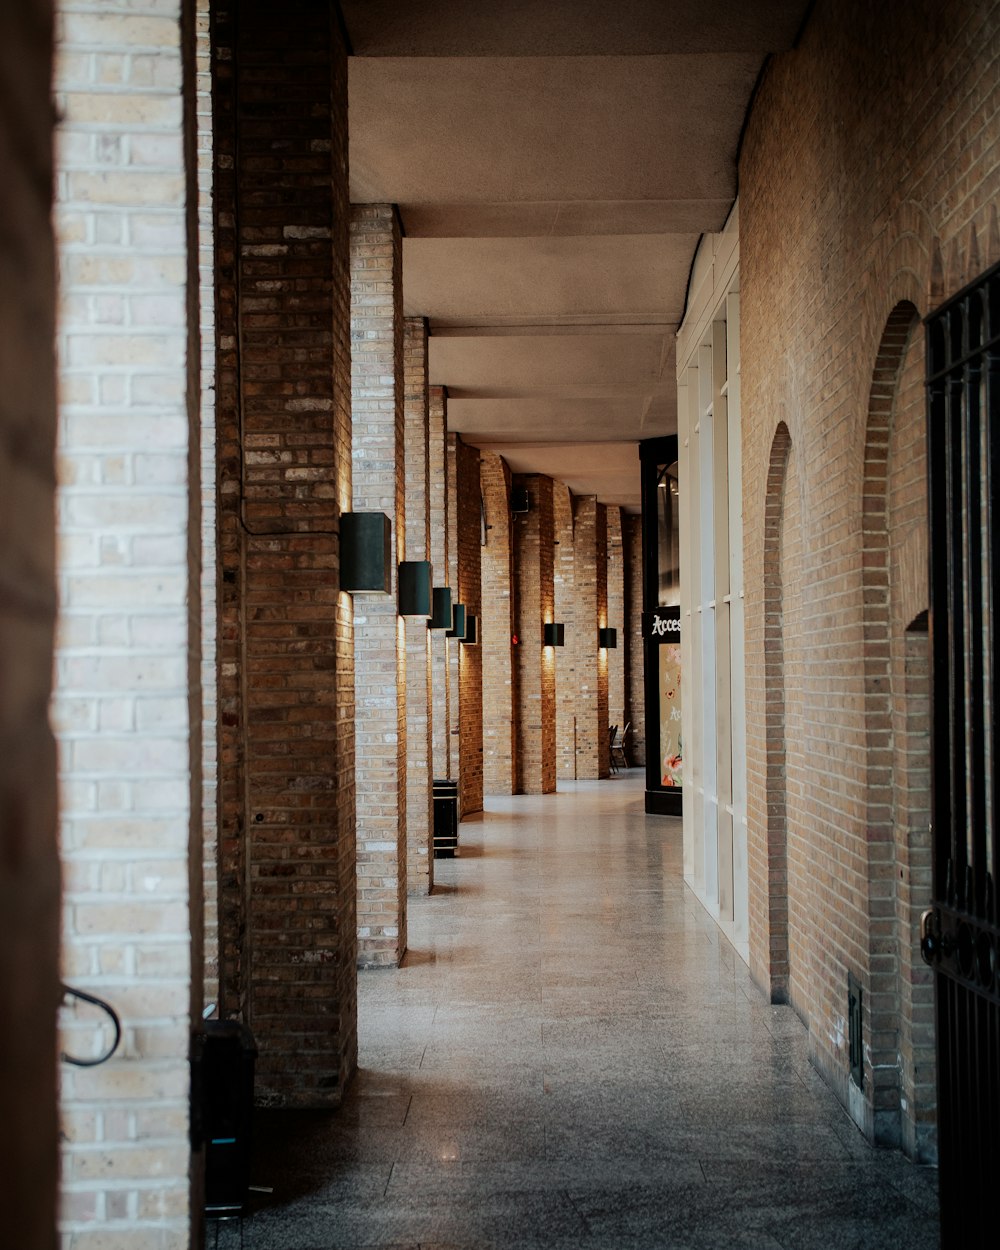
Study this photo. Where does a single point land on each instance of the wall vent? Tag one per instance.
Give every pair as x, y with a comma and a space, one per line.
854, 1031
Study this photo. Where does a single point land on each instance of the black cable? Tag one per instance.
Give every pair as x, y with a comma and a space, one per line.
97, 1002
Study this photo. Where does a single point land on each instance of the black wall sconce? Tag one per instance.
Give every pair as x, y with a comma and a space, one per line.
607, 638
415, 588
458, 622
441, 613
365, 552
554, 634
471, 638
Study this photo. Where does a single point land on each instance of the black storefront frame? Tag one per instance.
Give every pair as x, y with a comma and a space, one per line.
654, 452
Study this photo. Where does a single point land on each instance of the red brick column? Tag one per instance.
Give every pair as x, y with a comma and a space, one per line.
591, 552
632, 640
287, 849
379, 642
618, 712
419, 808
496, 628
565, 611
536, 666
468, 535
440, 677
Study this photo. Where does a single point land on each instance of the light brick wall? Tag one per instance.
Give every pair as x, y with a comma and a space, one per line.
419, 708
591, 598
209, 513
632, 543
565, 607
29, 863
128, 703
535, 709
497, 626
451, 645
379, 640
286, 634
868, 177
440, 674
468, 535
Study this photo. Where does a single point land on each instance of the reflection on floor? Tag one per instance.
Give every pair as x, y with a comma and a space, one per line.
573, 1057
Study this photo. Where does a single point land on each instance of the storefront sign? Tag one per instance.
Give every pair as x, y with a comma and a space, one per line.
662, 625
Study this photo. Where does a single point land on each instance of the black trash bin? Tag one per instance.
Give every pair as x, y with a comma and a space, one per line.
224, 1086
445, 817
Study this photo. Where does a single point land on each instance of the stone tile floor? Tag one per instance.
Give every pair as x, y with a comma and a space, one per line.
572, 1056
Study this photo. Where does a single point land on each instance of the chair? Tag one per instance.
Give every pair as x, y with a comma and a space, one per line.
618, 755
612, 734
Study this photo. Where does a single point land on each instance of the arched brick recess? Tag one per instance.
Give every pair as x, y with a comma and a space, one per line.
774, 886
497, 626
898, 1026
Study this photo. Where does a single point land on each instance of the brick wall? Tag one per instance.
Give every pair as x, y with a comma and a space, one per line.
632, 560
379, 640
287, 836
128, 702
451, 645
618, 709
419, 708
497, 626
867, 179
535, 708
440, 675
468, 500
209, 518
565, 610
29, 866
591, 599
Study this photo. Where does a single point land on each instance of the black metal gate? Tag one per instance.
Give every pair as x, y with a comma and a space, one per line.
960, 934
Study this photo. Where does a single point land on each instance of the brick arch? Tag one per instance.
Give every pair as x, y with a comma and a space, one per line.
774, 718
889, 782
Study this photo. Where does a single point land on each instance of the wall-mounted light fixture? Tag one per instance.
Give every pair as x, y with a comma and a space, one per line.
365, 552
458, 617
607, 638
415, 588
554, 634
441, 613
471, 638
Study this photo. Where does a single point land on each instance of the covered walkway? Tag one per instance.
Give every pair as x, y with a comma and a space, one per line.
573, 1056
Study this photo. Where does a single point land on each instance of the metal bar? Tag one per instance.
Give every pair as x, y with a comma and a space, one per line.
991, 400
956, 635
937, 507
973, 591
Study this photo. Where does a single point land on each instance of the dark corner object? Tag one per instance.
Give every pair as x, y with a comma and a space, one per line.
445, 794
607, 637
222, 1078
520, 501
471, 638
365, 552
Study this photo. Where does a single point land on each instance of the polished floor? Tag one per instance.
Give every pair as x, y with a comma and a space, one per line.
572, 1056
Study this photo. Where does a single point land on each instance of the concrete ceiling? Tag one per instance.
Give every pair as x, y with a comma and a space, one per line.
554, 163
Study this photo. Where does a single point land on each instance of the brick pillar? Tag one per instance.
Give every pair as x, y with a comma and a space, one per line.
468, 544
127, 704
379, 643
29, 855
536, 710
591, 549
451, 644
440, 677
496, 628
562, 500
287, 836
632, 560
419, 736
618, 713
